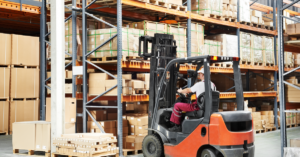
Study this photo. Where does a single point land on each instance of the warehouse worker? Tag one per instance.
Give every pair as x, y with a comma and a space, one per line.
199, 88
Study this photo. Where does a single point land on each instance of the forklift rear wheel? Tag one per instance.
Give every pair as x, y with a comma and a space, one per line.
152, 146
208, 153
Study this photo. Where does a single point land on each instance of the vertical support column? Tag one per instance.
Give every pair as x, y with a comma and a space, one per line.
43, 60
57, 70
84, 50
74, 47
119, 72
238, 29
275, 73
189, 39
281, 78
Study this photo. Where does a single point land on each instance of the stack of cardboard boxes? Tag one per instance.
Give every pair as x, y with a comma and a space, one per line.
197, 38
95, 144
179, 33
262, 119
227, 106
19, 66
229, 9
256, 17
259, 83
207, 7
68, 86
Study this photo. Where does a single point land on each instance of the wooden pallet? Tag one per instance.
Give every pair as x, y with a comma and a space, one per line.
230, 19
246, 62
177, 7
253, 24
269, 28
96, 155
267, 129
245, 23
259, 131
31, 152
139, 91
131, 152
23, 99
158, 3
288, 66
257, 64
226, 65
270, 64
212, 16
4, 133
4, 66
24, 66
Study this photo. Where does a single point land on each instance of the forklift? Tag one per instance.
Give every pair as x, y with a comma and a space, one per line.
206, 132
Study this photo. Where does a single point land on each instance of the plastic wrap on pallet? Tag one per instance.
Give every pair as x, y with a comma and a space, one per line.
228, 44
245, 11
257, 48
197, 39
245, 47
212, 47
297, 59
207, 7
268, 50
179, 33
291, 152
289, 59
130, 42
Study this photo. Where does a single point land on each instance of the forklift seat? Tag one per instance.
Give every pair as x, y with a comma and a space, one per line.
200, 104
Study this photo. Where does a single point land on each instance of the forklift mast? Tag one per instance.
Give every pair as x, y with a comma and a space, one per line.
163, 50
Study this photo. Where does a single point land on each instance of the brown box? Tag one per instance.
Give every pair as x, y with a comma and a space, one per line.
295, 142
112, 116
4, 82
141, 130
134, 142
131, 129
25, 50
97, 83
69, 74
271, 119
5, 49
130, 106
137, 84
268, 83
99, 115
291, 29
297, 31
70, 110
125, 76
24, 83
21, 111
138, 120
141, 106
33, 135
4, 118
266, 107
105, 124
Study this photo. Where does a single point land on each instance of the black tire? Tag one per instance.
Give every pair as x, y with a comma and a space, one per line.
153, 146
208, 153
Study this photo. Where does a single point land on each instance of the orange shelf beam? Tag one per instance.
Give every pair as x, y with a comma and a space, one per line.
232, 95
16, 6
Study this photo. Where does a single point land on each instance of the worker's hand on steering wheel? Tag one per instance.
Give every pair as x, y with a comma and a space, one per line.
179, 90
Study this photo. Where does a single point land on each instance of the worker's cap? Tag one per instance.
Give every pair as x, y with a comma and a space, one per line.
201, 71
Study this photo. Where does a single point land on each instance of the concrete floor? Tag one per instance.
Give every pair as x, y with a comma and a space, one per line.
266, 144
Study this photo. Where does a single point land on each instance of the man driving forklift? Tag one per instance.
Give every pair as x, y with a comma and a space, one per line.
199, 88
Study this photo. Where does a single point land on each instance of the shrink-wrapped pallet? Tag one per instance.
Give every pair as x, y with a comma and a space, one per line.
257, 49
228, 44
245, 47
179, 33
130, 42
268, 50
197, 39
212, 48
207, 7
297, 59
289, 59
245, 11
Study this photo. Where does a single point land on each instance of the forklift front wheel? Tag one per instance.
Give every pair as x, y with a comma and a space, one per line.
208, 153
152, 146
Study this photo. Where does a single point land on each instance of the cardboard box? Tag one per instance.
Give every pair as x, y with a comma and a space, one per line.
137, 84
97, 83
4, 118
5, 49
266, 107
256, 13
131, 129
271, 119
112, 116
297, 31
134, 142
125, 76
291, 29
141, 107
69, 74
141, 130
105, 124
295, 142
34, 135
25, 50
21, 111
130, 106
4, 81
138, 120
99, 115
70, 110
24, 83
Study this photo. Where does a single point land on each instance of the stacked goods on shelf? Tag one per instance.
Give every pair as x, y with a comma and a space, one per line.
268, 118
245, 48
68, 85
268, 81
137, 107
258, 83
228, 106
229, 46
290, 118
101, 82
245, 11
130, 42
223, 82
4, 119
289, 59
148, 28
295, 142
257, 49
24, 80
179, 33
86, 144
268, 51
32, 136
229, 9
257, 122
109, 126
297, 59
207, 7
298, 117
197, 39
268, 18
91, 24
212, 47
70, 114
256, 17
293, 29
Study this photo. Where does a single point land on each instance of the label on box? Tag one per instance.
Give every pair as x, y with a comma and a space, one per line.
95, 124
77, 70
132, 118
139, 119
92, 130
37, 146
132, 144
92, 39
72, 119
132, 126
44, 147
101, 37
132, 133
104, 112
138, 103
140, 127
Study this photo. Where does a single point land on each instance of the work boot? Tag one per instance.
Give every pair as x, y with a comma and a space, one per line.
175, 128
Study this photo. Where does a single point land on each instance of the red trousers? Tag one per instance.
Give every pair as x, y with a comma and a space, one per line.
179, 107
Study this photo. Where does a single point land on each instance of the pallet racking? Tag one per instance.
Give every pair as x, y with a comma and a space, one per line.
122, 9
